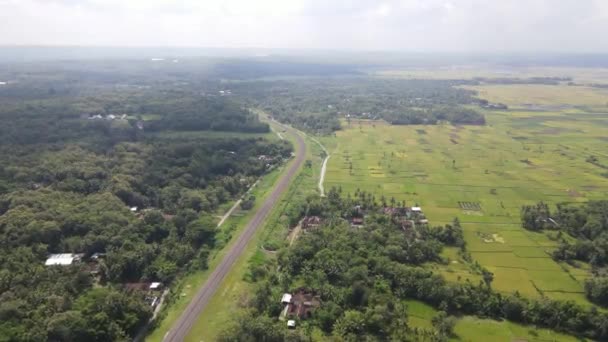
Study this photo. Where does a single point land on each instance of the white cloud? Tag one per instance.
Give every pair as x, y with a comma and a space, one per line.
422, 25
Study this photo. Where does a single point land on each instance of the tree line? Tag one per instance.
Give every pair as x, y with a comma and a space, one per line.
317, 105
582, 232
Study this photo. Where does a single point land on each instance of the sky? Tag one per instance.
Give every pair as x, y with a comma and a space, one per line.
396, 25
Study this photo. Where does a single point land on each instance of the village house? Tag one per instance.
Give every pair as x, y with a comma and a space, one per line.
152, 291
144, 286
309, 222
395, 211
356, 222
301, 304
407, 225
93, 265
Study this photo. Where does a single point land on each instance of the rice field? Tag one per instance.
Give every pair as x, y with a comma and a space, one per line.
470, 328
535, 151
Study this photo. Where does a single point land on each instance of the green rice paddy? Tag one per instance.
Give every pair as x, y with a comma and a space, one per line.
470, 328
484, 174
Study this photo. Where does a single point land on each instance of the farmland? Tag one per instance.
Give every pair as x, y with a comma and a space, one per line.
470, 328
537, 150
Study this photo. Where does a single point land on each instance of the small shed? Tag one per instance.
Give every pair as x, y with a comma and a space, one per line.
97, 256
416, 209
63, 259
133, 209
291, 324
357, 221
311, 222
156, 286
286, 298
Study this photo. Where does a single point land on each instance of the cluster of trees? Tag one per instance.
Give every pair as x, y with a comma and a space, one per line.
208, 113
365, 275
415, 116
317, 105
67, 185
583, 236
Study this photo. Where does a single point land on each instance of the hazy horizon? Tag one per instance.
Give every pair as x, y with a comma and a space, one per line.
445, 26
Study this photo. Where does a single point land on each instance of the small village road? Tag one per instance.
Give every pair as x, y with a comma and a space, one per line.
186, 321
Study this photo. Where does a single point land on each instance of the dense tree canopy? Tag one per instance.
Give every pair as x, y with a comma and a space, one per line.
124, 175
317, 105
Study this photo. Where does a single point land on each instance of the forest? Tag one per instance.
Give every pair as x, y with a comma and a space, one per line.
317, 105
363, 276
106, 173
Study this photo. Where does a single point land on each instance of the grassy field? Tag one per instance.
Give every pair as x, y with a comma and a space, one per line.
470, 328
579, 75
484, 174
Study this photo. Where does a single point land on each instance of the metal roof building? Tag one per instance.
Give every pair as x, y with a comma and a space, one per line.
63, 259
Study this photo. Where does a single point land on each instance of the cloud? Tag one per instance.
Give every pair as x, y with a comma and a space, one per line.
418, 25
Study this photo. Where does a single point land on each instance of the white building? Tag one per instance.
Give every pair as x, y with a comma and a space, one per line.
416, 209
286, 298
64, 259
156, 286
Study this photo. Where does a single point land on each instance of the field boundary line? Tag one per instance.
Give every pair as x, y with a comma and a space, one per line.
323, 166
327, 155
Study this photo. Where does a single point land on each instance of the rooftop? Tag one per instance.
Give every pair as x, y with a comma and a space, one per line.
63, 259
155, 285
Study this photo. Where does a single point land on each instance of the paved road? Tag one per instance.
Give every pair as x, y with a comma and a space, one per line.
184, 324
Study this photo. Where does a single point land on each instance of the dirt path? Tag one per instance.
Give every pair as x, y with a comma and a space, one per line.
228, 213
184, 324
295, 233
323, 168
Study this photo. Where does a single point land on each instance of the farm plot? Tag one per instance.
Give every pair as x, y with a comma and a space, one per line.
520, 157
470, 328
